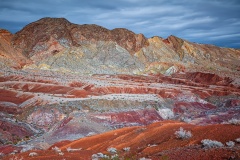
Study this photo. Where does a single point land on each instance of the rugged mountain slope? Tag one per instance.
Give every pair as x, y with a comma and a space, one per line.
9, 56
59, 44
55, 43
67, 34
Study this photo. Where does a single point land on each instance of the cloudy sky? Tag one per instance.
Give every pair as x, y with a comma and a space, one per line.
203, 21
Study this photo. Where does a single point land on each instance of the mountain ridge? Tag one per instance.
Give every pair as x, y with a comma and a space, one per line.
119, 50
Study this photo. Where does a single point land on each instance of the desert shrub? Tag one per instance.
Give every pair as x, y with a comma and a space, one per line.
143, 158
61, 153
112, 150
186, 119
1, 154
237, 140
230, 144
32, 154
69, 149
115, 157
207, 143
126, 149
234, 121
99, 155
56, 149
16, 158
182, 134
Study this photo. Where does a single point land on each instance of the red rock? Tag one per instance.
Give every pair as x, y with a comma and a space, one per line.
39, 33
7, 149
154, 141
140, 117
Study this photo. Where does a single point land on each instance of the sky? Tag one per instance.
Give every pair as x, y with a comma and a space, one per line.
214, 22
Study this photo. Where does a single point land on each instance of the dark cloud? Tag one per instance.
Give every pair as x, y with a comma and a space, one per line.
203, 21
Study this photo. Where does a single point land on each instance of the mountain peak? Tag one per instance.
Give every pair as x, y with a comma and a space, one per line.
53, 20
41, 33
4, 32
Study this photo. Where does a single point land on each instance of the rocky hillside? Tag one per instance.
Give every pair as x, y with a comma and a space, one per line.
9, 56
57, 44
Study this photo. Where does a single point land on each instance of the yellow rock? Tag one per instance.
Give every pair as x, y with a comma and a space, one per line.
30, 66
44, 66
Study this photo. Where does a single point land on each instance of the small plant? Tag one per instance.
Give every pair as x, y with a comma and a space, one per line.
112, 150
237, 140
230, 144
182, 134
152, 145
234, 121
69, 149
1, 154
32, 154
16, 158
61, 153
115, 157
143, 158
207, 143
99, 155
186, 119
56, 149
126, 149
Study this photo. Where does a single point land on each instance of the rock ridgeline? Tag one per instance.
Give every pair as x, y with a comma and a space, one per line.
68, 35
55, 43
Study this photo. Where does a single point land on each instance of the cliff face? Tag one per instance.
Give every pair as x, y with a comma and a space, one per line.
203, 53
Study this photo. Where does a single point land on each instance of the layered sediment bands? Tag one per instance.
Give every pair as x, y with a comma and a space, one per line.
165, 93
68, 106
205, 78
130, 118
14, 131
11, 100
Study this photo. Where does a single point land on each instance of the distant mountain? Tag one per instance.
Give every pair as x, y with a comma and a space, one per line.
57, 44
